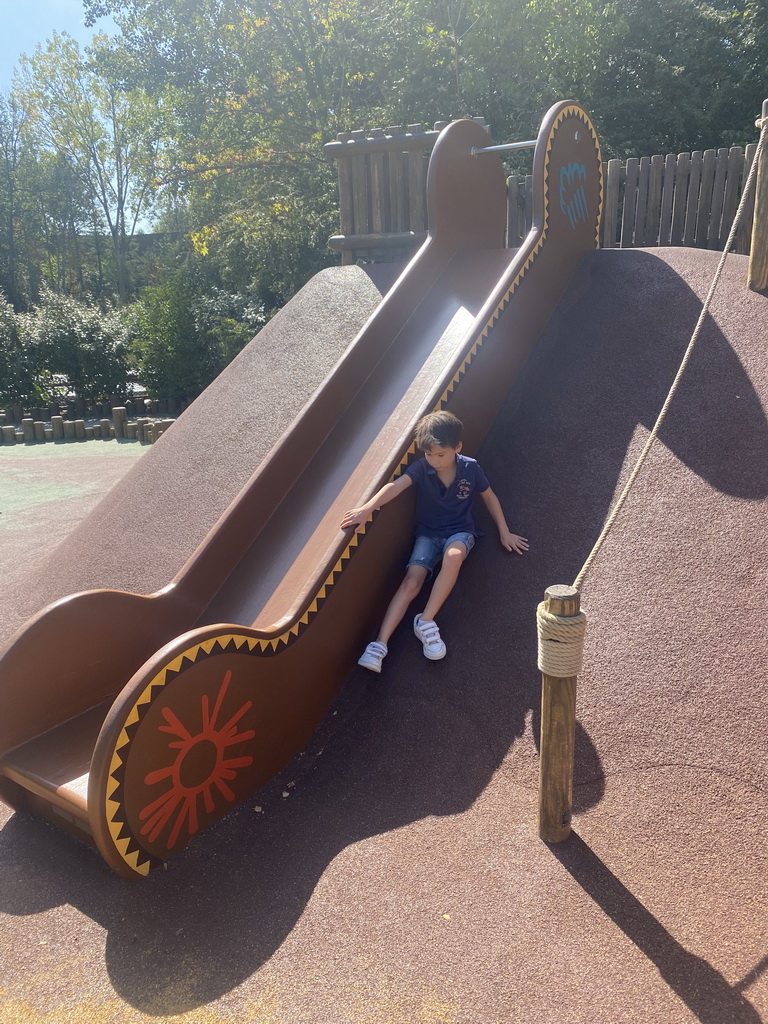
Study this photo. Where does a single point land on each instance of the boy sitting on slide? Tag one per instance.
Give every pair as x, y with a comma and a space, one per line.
446, 482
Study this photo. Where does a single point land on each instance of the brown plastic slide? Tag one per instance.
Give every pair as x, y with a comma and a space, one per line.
136, 721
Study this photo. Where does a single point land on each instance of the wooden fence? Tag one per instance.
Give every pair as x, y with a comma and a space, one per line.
382, 190
686, 199
679, 199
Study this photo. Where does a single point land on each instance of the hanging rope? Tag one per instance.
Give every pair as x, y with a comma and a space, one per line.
763, 125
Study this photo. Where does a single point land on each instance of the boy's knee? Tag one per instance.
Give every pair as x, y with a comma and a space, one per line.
455, 554
414, 580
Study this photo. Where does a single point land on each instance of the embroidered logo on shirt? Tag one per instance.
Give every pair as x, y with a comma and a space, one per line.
463, 489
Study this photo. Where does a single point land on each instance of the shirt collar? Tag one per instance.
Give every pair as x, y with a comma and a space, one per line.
431, 471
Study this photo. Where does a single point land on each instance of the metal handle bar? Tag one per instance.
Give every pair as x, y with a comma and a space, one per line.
507, 146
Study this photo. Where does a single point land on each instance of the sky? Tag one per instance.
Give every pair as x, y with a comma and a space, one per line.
29, 22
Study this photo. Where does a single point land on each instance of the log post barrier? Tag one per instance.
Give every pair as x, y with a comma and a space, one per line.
34, 430
757, 275
119, 419
561, 633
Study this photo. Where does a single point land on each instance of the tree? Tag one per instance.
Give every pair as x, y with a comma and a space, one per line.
76, 344
108, 136
171, 361
11, 149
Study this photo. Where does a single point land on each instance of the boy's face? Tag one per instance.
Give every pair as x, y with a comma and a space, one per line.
440, 457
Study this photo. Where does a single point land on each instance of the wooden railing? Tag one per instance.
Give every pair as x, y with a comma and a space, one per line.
382, 190
679, 199
686, 199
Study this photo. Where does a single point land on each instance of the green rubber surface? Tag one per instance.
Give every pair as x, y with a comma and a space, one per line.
47, 489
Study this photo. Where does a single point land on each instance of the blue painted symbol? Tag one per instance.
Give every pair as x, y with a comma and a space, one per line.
573, 198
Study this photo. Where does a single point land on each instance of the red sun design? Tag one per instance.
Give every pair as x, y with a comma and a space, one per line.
200, 769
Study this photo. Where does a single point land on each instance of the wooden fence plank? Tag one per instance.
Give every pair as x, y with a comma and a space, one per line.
515, 210
679, 203
653, 203
346, 201
757, 271
744, 235
513, 186
524, 206
691, 207
630, 203
613, 175
360, 191
643, 182
379, 195
398, 193
417, 216
705, 198
510, 235
715, 240
732, 189
667, 195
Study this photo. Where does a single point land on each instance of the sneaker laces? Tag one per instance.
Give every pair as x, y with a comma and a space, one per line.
377, 647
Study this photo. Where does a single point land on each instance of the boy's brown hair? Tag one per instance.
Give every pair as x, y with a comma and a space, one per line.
441, 429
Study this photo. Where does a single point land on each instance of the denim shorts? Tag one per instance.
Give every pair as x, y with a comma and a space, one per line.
428, 551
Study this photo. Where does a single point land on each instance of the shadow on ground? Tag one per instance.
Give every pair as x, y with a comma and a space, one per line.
701, 987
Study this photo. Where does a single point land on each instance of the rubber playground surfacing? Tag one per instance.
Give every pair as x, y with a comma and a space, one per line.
393, 873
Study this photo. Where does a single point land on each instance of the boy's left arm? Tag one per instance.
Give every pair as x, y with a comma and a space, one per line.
509, 541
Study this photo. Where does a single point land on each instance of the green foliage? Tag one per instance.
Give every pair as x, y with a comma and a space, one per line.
20, 378
77, 346
268, 253
169, 359
227, 321
172, 342
183, 341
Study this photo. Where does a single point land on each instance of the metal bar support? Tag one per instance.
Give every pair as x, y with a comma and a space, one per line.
504, 148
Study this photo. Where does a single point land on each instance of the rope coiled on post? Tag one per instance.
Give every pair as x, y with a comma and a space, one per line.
561, 642
762, 123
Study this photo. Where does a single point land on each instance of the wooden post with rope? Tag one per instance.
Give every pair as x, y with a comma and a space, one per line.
757, 275
561, 633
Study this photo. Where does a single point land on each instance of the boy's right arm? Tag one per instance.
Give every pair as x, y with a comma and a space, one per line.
357, 516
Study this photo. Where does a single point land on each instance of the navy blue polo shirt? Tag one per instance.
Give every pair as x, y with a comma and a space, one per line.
441, 512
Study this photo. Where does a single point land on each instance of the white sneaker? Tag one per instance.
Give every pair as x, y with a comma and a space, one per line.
373, 655
429, 634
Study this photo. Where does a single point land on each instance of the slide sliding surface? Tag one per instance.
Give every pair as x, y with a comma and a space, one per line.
184, 702
273, 581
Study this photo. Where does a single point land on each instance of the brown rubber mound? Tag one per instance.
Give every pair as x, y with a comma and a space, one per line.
393, 873
147, 526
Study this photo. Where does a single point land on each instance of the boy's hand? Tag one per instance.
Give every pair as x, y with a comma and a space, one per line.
355, 517
511, 542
